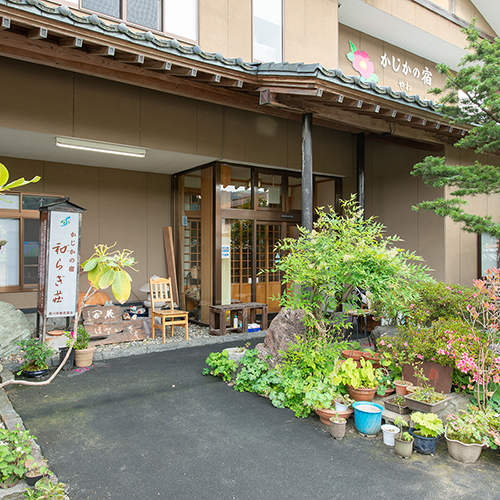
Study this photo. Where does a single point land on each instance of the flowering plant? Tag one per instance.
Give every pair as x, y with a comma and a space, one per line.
484, 316
471, 427
36, 354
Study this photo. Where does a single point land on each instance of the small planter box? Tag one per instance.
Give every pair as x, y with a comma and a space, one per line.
414, 404
389, 405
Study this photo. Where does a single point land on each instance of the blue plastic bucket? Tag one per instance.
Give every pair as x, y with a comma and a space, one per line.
367, 417
424, 445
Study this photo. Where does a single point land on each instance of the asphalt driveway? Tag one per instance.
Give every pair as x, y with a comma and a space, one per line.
151, 426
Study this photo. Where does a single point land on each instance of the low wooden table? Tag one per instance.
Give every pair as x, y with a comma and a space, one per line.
245, 308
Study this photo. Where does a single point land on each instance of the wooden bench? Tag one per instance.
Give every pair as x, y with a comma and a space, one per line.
243, 308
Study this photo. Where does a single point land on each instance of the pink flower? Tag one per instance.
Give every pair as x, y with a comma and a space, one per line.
362, 64
419, 356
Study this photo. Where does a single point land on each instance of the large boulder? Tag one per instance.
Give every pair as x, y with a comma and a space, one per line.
283, 330
14, 327
382, 331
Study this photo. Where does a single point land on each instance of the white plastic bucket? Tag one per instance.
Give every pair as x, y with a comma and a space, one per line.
389, 432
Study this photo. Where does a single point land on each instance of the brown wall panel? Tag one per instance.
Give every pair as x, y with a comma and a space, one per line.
36, 98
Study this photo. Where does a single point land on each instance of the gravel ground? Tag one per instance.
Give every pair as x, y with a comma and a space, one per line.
195, 332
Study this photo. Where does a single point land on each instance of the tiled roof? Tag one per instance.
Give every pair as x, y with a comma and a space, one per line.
94, 23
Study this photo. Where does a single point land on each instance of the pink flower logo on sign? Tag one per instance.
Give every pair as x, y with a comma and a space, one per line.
362, 64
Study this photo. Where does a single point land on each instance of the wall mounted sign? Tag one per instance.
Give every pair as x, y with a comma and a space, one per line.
362, 64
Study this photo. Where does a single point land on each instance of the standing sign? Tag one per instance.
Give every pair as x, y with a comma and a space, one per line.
60, 227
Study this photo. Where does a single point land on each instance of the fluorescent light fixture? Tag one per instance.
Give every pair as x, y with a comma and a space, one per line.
100, 147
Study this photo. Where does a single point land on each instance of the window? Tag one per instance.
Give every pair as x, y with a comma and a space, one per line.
267, 30
177, 18
19, 229
489, 253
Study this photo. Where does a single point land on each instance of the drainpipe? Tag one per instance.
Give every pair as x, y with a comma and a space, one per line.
307, 172
360, 168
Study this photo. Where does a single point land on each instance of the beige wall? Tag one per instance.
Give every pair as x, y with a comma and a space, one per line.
390, 193
461, 247
129, 208
387, 76
309, 29
418, 15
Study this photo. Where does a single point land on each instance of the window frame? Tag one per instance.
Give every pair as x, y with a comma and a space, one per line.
22, 214
160, 31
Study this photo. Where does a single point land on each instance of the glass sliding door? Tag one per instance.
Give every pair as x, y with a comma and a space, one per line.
268, 284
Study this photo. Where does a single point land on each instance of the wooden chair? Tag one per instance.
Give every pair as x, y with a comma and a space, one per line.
162, 307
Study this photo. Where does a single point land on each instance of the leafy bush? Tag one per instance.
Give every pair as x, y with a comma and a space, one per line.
439, 300
427, 424
255, 375
15, 450
343, 252
220, 365
46, 490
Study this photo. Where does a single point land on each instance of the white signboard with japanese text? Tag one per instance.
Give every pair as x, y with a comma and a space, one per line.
61, 285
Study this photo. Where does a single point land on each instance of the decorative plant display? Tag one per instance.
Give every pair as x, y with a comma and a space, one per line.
45, 490
106, 268
35, 355
403, 442
14, 452
427, 424
337, 419
340, 253
472, 427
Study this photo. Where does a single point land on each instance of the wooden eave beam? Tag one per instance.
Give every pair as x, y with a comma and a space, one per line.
73, 42
208, 77
183, 71
103, 51
229, 82
130, 58
4, 23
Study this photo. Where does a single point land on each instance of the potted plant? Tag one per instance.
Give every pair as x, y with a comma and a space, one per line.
403, 442
83, 353
427, 400
466, 434
342, 402
396, 404
35, 357
35, 471
401, 387
321, 397
337, 426
426, 430
361, 382
385, 379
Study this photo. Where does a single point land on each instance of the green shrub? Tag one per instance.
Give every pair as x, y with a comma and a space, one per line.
220, 365
15, 449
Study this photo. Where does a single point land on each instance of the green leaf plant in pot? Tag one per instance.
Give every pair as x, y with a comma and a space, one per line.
83, 353
427, 427
36, 355
361, 382
403, 442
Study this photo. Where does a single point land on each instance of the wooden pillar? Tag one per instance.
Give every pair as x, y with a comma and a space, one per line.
307, 172
360, 168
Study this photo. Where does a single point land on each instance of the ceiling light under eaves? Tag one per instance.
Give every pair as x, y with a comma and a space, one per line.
100, 147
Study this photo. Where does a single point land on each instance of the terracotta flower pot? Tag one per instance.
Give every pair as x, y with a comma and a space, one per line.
361, 394
325, 414
401, 387
83, 357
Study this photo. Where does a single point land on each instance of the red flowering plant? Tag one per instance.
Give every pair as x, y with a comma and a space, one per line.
483, 365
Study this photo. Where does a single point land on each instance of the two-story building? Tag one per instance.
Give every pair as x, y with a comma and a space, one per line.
229, 121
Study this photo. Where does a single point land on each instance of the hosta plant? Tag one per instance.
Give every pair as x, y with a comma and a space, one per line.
427, 424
